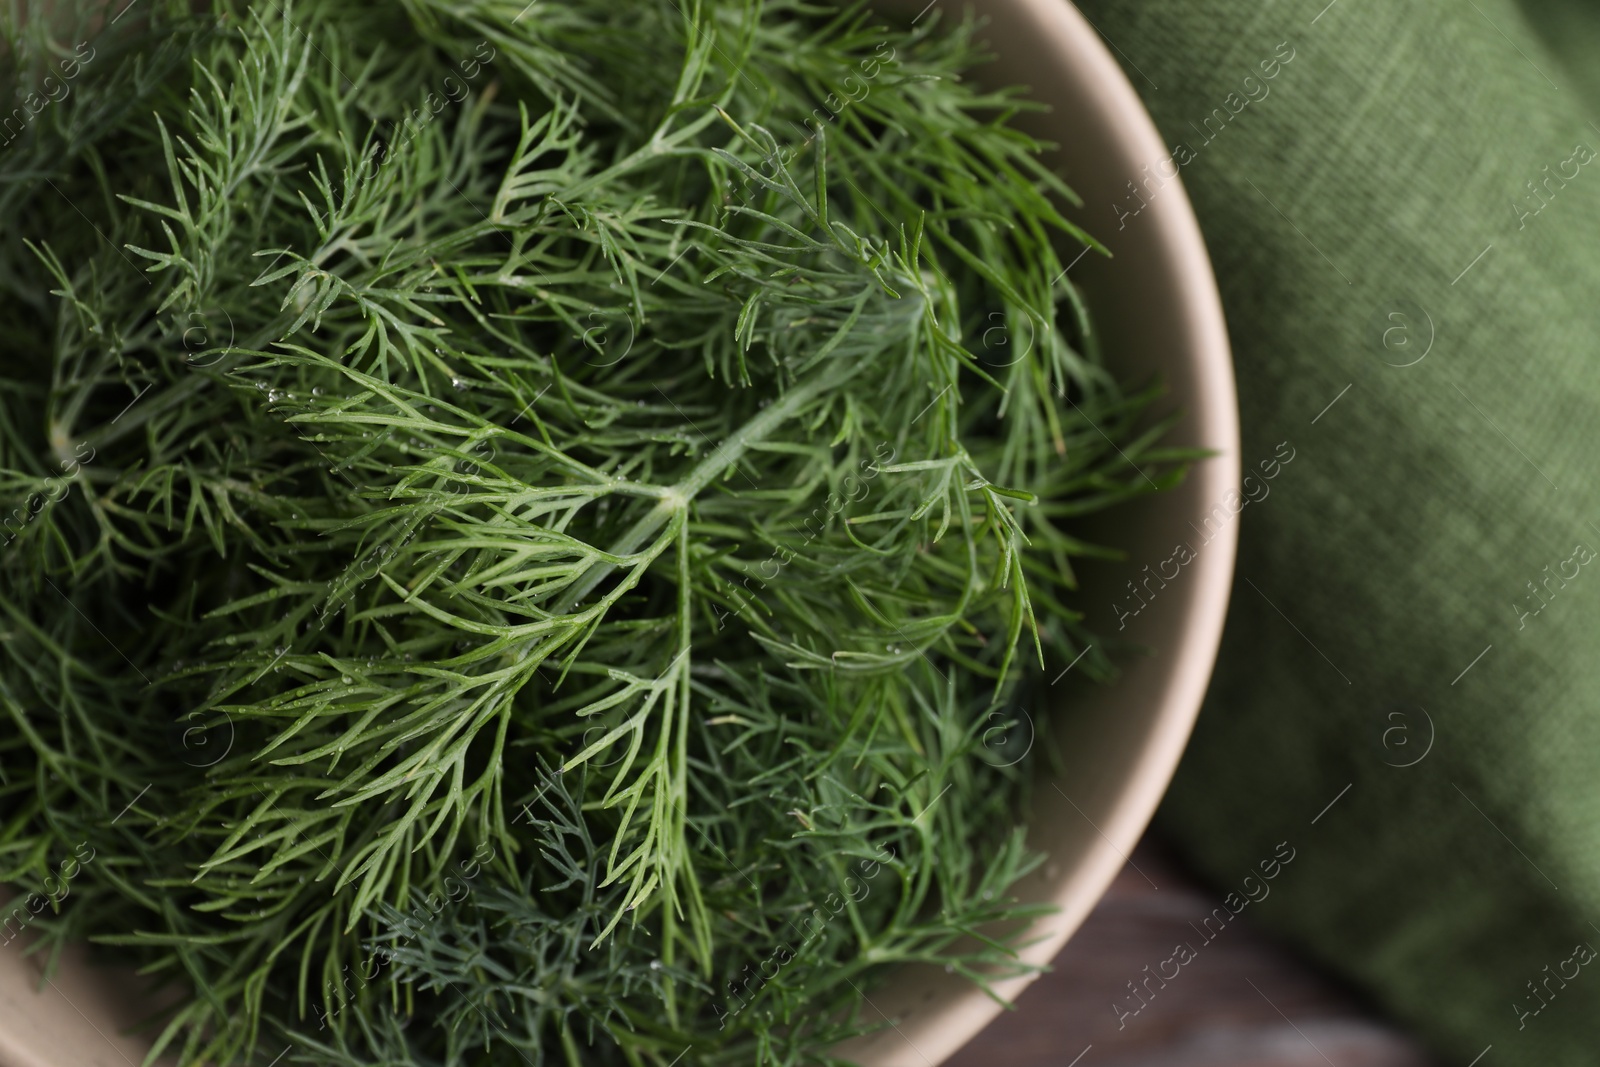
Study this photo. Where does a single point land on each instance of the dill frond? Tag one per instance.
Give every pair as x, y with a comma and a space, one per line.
615, 449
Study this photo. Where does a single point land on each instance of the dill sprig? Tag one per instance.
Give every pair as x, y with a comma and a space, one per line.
617, 451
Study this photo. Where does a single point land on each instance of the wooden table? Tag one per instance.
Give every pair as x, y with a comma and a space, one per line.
1244, 1001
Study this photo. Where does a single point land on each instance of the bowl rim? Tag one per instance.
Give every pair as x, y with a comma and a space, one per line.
1212, 414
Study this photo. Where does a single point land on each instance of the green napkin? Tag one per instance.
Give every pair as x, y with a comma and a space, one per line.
1405, 224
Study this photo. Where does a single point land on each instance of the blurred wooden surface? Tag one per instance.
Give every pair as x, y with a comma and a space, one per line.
1243, 1001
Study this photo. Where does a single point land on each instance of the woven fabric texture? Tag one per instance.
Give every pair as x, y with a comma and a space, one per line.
1405, 224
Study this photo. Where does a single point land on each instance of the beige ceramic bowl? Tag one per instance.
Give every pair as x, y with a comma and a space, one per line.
1157, 307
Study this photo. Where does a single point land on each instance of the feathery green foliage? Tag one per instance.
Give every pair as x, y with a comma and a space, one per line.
519, 509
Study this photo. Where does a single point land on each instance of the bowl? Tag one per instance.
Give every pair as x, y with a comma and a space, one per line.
1156, 305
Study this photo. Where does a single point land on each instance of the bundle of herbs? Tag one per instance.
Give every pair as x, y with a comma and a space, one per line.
525, 526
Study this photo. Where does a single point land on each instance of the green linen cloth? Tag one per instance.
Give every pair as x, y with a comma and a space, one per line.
1418, 185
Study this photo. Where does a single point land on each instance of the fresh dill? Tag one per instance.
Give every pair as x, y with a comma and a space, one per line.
519, 521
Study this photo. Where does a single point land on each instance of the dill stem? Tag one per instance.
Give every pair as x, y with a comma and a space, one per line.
724, 456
